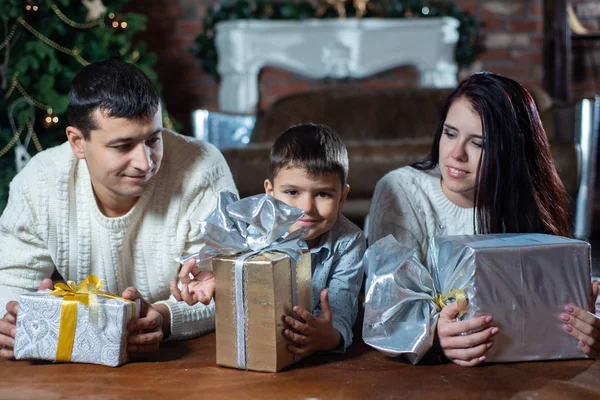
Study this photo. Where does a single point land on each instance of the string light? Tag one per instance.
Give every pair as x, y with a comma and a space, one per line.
73, 53
16, 85
50, 120
6, 41
12, 141
117, 23
31, 6
77, 25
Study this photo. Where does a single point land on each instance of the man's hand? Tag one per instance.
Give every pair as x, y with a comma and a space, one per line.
8, 328
465, 350
145, 332
316, 333
584, 326
201, 289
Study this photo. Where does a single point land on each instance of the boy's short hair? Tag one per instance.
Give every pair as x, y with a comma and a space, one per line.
117, 88
314, 147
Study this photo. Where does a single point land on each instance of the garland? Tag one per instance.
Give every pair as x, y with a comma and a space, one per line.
467, 49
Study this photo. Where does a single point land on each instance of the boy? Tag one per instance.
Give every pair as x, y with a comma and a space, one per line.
308, 168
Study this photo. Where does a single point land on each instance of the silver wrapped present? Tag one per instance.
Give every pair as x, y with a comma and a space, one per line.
96, 334
523, 280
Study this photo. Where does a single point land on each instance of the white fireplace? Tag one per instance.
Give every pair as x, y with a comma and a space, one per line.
331, 48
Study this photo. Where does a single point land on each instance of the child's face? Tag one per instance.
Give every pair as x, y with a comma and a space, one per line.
320, 197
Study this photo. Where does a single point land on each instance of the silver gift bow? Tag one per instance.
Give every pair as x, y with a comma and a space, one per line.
248, 227
400, 313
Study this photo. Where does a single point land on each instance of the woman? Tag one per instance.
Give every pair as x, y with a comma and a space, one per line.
489, 171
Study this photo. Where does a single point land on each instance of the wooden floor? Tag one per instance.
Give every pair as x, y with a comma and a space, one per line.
187, 370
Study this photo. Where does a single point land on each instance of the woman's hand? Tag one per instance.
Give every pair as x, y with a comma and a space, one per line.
458, 347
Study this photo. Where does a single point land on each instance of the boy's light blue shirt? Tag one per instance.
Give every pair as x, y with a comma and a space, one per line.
337, 265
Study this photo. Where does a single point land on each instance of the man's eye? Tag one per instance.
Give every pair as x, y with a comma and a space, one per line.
122, 147
153, 141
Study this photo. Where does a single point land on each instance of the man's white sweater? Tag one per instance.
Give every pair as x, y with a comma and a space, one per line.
52, 222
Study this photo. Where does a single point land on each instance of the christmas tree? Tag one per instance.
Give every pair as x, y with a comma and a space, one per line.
43, 44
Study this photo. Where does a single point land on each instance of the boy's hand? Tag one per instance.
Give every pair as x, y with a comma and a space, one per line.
465, 350
201, 289
584, 326
316, 334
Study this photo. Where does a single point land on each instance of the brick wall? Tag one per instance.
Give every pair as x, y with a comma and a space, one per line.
513, 38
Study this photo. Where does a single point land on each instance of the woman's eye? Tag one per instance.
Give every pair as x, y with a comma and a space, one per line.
477, 144
449, 134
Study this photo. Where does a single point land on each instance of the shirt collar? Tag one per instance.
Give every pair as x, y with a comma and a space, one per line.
325, 245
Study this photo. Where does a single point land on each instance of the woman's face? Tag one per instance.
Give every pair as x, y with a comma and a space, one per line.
461, 146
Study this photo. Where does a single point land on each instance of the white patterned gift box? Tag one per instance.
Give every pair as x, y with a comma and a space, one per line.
97, 339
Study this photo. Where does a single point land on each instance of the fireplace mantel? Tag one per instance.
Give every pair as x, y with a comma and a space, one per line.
331, 48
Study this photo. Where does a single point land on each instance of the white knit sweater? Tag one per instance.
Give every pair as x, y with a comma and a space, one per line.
52, 222
411, 205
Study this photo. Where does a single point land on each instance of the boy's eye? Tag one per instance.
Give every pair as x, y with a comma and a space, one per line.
291, 192
324, 195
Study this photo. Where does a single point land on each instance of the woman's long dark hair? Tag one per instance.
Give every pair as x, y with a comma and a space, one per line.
517, 188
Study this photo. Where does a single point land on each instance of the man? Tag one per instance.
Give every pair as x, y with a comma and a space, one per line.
120, 200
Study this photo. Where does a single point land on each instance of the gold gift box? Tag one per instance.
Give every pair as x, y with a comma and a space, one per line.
267, 298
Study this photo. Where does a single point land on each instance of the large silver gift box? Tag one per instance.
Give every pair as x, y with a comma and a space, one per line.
523, 280
38, 326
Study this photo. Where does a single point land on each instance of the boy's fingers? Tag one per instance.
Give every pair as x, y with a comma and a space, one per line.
325, 306
294, 337
305, 315
187, 296
305, 329
186, 269
300, 351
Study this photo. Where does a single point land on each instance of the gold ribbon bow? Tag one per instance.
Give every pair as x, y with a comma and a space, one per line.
86, 293
457, 294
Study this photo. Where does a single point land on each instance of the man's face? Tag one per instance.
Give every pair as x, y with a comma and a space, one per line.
122, 156
320, 197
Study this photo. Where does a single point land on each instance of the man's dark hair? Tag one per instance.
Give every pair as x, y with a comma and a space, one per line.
316, 148
116, 88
